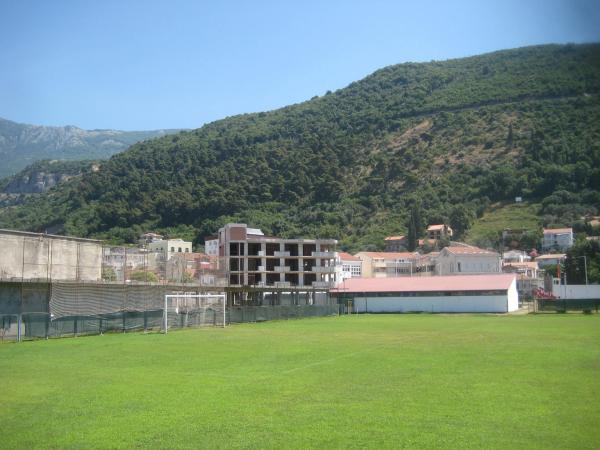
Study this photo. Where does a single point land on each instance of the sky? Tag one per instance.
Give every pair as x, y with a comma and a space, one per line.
142, 65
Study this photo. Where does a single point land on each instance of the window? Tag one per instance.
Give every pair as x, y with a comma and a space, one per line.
458, 265
187, 250
172, 249
179, 250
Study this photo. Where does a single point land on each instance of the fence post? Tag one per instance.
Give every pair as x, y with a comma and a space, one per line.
19, 327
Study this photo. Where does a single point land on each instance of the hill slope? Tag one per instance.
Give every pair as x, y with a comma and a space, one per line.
21, 144
448, 136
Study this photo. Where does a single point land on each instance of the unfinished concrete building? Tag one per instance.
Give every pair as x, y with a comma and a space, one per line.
251, 258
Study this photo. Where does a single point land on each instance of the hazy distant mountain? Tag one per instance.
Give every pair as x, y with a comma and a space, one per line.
22, 144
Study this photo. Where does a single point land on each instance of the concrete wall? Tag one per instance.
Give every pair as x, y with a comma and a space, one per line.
48, 257
451, 304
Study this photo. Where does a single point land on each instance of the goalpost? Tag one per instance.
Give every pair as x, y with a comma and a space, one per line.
186, 303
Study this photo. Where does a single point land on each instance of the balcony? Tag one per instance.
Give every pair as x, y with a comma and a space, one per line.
282, 284
281, 254
261, 253
282, 269
261, 268
323, 254
322, 284
323, 269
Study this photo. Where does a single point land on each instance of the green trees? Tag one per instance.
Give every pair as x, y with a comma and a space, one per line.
141, 275
443, 135
583, 254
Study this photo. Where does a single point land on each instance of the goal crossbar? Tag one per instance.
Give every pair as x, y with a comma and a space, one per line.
222, 297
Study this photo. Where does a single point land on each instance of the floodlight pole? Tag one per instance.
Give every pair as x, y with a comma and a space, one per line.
584, 267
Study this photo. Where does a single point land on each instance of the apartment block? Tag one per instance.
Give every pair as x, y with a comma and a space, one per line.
251, 258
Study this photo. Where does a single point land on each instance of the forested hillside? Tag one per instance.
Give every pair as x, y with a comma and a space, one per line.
449, 137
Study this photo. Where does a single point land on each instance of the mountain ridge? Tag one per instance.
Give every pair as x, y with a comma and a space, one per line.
23, 144
352, 163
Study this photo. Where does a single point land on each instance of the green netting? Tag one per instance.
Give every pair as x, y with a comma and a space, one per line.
64, 309
568, 305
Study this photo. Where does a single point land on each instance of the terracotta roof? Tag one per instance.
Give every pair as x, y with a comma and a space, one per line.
470, 251
427, 284
388, 255
394, 238
435, 227
347, 257
555, 256
558, 230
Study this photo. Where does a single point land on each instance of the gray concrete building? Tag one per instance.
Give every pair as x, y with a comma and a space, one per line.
251, 258
36, 256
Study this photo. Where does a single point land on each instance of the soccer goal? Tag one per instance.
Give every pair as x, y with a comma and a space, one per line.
187, 309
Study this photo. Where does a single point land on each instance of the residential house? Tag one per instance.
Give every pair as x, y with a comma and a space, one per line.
395, 243
393, 264
169, 247
558, 239
211, 245
349, 266
467, 260
550, 260
437, 232
515, 256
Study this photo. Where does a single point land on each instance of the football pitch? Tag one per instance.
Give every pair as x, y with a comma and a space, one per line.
372, 381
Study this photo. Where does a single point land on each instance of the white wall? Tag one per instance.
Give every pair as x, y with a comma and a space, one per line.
466, 304
513, 297
575, 291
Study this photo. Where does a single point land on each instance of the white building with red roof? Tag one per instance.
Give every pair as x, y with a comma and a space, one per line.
350, 266
467, 260
492, 293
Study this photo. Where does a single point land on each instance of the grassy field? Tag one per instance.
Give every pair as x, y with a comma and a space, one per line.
378, 381
488, 228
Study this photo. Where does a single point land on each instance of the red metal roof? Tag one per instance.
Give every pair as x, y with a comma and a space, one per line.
427, 284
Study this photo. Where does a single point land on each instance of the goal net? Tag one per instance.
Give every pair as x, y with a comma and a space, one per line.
188, 309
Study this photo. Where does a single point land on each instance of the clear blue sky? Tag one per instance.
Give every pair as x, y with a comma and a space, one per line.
137, 65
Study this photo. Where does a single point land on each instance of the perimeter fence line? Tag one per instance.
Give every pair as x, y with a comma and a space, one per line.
47, 310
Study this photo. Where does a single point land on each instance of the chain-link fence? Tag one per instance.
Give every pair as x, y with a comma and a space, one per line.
43, 310
561, 305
